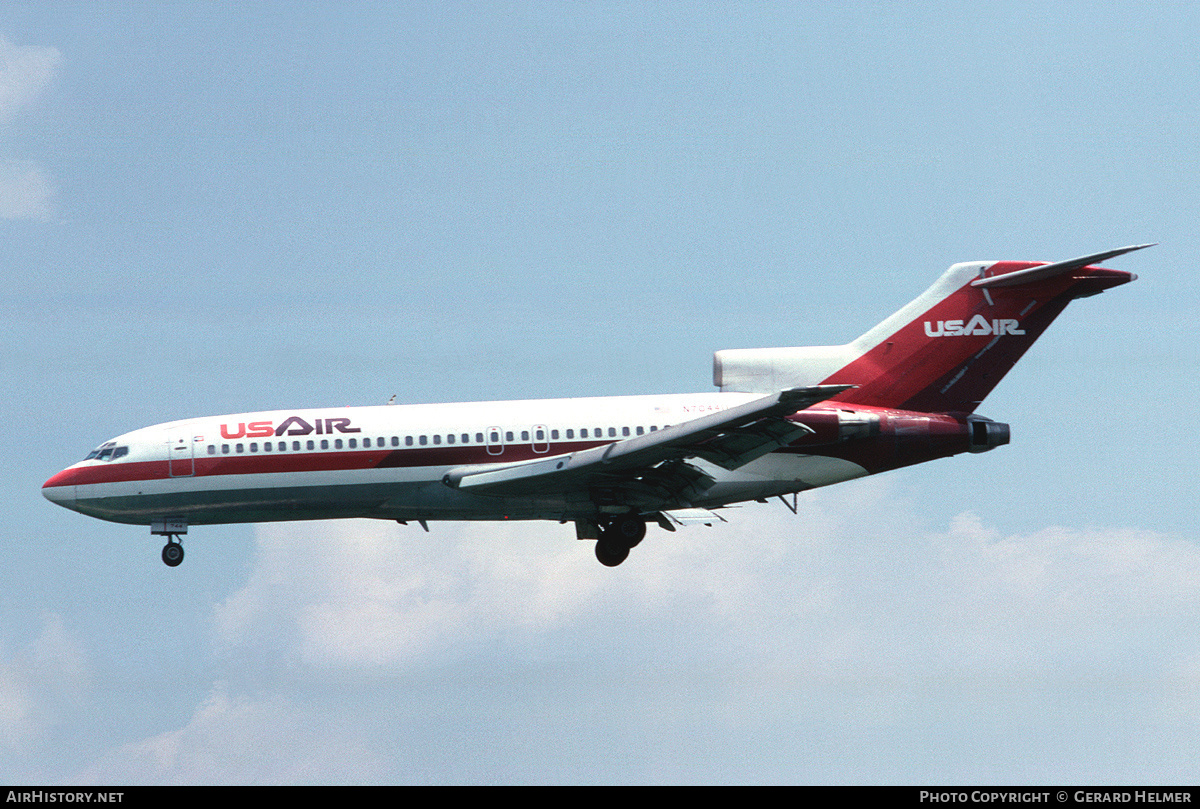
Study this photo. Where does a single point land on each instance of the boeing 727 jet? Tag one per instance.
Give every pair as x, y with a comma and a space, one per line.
784, 420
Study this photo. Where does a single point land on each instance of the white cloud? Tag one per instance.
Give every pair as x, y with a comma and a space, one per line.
375, 594
870, 590
38, 684
26, 191
843, 643
1059, 595
25, 71
242, 740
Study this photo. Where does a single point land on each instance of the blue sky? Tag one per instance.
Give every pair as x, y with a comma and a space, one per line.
207, 208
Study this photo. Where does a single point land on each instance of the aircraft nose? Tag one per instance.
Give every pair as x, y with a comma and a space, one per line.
58, 490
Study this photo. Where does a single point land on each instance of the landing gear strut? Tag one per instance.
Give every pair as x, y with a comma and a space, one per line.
172, 552
617, 536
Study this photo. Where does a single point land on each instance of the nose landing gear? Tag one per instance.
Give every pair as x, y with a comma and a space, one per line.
172, 552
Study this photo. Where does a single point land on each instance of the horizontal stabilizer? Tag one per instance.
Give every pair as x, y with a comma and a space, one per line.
1045, 271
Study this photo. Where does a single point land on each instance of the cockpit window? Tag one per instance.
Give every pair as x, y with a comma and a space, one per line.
107, 452
96, 452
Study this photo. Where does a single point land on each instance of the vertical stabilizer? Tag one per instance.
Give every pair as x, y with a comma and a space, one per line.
943, 352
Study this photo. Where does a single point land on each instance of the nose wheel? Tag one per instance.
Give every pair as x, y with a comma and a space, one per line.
172, 552
172, 529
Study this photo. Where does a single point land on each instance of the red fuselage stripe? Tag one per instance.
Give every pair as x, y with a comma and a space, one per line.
282, 462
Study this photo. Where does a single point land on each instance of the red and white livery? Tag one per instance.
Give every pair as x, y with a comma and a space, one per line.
785, 420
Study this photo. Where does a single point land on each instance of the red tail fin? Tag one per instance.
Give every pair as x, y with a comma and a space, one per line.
945, 351
953, 353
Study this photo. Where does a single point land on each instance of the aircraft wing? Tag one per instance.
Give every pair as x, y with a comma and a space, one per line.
652, 467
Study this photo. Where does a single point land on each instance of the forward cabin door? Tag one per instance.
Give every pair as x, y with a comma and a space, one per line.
181, 453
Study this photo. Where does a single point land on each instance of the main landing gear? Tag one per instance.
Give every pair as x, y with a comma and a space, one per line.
172, 552
617, 536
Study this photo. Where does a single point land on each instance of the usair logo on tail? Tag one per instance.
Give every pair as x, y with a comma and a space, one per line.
977, 327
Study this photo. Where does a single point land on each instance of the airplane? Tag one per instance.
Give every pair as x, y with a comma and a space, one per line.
783, 421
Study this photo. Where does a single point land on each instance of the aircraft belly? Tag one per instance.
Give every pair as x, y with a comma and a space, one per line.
389, 494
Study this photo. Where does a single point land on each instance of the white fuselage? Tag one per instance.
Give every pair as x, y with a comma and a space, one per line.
389, 461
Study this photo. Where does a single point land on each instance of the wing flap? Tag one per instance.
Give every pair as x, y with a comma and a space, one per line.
737, 448
684, 517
